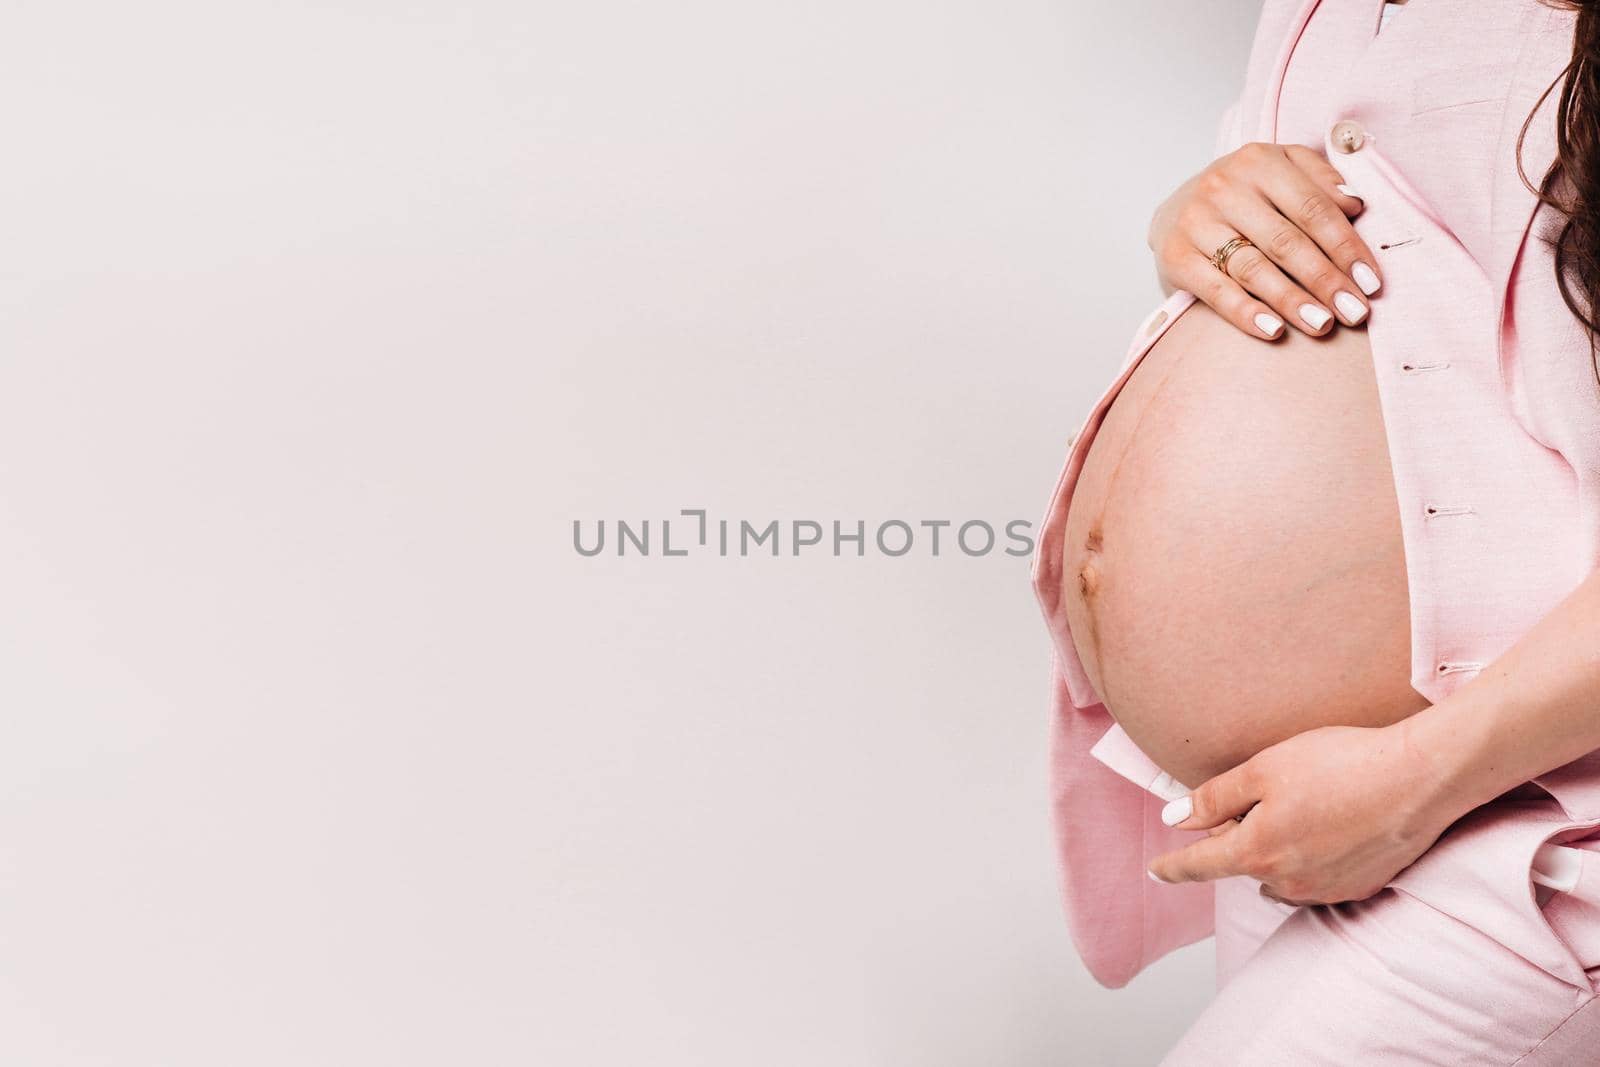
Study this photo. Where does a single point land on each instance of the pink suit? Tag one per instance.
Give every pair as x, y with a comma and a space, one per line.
1493, 425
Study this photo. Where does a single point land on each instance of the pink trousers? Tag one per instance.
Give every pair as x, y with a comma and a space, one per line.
1394, 980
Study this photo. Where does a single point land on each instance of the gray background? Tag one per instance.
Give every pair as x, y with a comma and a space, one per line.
322, 322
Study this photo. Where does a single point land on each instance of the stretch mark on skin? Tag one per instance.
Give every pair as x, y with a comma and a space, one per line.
1089, 572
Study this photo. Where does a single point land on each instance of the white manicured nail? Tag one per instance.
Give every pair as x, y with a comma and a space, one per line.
1154, 877
1351, 308
1347, 191
1365, 277
1314, 317
1177, 811
1269, 324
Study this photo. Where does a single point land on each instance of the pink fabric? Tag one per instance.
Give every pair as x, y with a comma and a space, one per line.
1396, 980
1389, 981
1508, 425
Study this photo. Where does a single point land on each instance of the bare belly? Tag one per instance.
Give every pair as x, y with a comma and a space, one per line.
1233, 566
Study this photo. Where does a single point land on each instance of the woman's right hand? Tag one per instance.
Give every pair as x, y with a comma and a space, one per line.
1307, 263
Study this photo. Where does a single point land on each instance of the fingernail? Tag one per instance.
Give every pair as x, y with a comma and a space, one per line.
1365, 277
1177, 811
1269, 324
1347, 191
1154, 877
1314, 317
1350, 307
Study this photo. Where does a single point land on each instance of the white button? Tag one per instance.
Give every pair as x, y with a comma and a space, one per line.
1348, 136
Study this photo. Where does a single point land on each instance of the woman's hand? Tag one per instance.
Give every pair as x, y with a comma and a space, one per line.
1306, 257
1328, 815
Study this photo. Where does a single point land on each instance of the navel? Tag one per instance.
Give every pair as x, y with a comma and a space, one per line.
1088, 581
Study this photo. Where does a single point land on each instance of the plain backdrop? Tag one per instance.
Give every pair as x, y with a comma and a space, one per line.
320, 324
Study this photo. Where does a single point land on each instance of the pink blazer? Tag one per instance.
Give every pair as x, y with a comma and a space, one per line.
1492, 417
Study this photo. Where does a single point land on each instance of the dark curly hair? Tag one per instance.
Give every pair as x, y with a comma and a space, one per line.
1576, 171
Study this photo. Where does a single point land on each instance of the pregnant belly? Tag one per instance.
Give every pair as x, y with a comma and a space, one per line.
1232, 563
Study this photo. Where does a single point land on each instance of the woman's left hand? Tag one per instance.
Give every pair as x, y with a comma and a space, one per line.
1328, 815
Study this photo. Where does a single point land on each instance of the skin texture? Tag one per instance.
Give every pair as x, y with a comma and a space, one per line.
1336, 811
1334, 814
1233, 565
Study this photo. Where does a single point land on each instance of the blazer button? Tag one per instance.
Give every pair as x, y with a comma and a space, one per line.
1348, 136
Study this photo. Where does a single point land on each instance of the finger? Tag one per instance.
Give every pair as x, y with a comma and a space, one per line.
1284, 234
1260, 277
1316, 210
1230, 794
1205, 860
1192, 270
1326, 175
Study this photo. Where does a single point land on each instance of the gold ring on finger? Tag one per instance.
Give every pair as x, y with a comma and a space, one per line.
1219, 258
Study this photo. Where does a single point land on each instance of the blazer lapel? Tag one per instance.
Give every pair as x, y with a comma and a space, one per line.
1276, 65
1544, 51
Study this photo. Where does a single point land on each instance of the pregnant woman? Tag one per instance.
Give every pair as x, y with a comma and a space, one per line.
1321, 569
